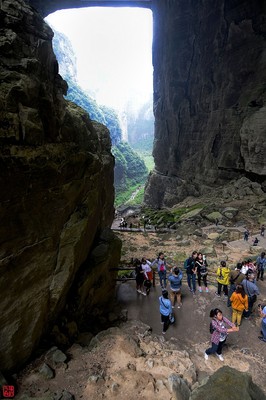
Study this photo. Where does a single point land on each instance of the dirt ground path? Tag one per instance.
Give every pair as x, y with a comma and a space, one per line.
192, 319
243, 351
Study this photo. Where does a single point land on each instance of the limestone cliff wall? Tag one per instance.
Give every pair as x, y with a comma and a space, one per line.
209, 95
56, 192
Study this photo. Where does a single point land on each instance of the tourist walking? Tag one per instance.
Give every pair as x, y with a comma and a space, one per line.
191, 271
165, 310
261, 266
219, 333
202, 271
175, 279
139, 277
262, 230
246, 235
239, 302
262, 311
223, 279
235, 278
252, 291
161, 268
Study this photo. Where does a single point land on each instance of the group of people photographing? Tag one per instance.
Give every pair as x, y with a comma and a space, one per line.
238, 285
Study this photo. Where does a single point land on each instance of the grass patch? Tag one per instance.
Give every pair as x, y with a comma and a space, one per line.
123, 197
148, 160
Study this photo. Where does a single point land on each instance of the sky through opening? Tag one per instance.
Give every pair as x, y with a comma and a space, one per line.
113, 47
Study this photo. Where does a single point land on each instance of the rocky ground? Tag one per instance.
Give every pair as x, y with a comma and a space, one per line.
134, 360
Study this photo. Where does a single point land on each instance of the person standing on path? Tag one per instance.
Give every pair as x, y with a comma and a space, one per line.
262, 311
235, 278
219, 333
161, 268
146, 266
223, 279
261, 265
191, 270
239, 301
175, 279
262, 230
246, 235
148, 274
139, 277
252, 290
165, 310
202, 271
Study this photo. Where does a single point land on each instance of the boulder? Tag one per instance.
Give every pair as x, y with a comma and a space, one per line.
214, 217
224, 382
230, 212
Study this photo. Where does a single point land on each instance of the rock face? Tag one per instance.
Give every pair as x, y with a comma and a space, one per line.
50, 6
56, 196
209, 96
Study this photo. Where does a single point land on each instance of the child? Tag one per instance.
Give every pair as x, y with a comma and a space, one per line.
223, 279
219, 333
239, 302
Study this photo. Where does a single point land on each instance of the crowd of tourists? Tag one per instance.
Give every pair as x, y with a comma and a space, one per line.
238, 286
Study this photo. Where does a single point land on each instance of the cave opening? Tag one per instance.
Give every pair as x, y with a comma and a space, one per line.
105, 55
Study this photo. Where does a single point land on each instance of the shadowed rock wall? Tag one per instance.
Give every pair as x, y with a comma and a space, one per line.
209, 96
56, 192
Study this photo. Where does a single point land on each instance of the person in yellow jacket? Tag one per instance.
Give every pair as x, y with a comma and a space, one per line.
223, 279
239, 302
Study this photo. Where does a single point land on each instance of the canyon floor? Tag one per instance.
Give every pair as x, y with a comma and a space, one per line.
135, 360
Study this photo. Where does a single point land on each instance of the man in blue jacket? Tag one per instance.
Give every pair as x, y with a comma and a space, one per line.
165, 310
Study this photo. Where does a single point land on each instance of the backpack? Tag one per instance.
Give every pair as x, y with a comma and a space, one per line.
186, 263
212, 329
162, 267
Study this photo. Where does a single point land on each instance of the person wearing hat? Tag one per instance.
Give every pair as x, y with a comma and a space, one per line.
165, 310
252, 290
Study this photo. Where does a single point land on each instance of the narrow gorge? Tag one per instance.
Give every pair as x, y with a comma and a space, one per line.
57, 193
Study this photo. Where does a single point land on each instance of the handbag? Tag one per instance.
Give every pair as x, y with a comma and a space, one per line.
162, 268
254, 298
171, 318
